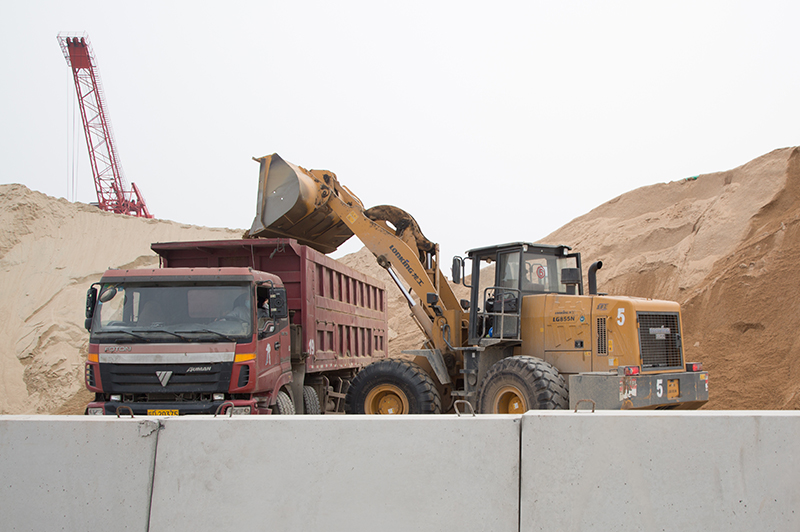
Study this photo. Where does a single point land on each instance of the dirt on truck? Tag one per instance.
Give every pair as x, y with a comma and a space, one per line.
252, 326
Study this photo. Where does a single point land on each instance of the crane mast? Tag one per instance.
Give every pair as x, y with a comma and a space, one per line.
112, 191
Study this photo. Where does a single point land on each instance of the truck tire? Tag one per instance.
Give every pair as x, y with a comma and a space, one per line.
284, 405
392, 386
311, 400
515, 385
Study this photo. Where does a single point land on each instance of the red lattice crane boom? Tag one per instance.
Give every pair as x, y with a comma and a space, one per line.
112, 193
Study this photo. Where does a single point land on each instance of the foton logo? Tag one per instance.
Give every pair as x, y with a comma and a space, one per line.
117, 348
163, 377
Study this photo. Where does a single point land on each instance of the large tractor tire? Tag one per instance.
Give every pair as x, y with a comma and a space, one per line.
515, 385
284, 405
393, 386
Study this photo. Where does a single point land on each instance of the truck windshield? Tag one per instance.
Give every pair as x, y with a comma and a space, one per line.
153, 311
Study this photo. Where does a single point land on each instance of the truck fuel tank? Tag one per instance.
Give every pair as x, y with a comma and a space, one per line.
292, 202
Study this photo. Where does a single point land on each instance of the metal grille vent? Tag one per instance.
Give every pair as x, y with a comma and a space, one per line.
165, 378
660, 340
244, 376
602, 337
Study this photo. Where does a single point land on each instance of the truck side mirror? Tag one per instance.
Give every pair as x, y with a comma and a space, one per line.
278, 307
91, 300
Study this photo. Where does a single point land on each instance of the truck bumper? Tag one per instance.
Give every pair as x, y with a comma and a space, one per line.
610, 391
111, 408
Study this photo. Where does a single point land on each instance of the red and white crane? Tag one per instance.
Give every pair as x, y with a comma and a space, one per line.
112, 192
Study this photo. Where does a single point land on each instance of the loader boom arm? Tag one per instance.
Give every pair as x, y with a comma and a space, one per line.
313, 207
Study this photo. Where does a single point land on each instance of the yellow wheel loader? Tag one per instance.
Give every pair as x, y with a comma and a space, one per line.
528, 337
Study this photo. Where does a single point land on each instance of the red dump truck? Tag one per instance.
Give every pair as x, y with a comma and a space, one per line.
258, 326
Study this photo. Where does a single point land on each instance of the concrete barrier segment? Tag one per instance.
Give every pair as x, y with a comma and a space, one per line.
360, 473
703, 470
76, 473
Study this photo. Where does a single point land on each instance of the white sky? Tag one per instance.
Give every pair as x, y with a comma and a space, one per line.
488, 122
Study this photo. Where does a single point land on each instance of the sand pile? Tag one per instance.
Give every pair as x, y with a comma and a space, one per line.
51, 251
725, 245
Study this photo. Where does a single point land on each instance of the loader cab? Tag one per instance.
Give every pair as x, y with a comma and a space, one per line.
502, 275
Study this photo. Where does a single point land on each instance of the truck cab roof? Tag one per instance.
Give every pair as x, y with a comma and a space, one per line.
198, 274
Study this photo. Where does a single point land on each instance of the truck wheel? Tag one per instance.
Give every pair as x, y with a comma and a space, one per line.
392, 386
311, 400
284, 405
515, 385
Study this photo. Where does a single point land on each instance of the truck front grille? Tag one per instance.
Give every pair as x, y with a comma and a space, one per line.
170, 379
660, 340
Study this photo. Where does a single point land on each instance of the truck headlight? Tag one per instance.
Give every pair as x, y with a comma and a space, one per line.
218, 397
240, 410
95, 411
117, 398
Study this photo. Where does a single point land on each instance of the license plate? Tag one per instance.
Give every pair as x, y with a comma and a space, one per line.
673, 389
162, 412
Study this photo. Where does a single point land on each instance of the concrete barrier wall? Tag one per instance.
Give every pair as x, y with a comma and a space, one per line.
265, 473
72, 473
355, 473
540, 471
660, 471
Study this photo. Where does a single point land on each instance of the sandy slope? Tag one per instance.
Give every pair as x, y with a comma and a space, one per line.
725, 245
50, 253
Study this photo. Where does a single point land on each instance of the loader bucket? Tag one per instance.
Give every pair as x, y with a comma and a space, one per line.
292, 202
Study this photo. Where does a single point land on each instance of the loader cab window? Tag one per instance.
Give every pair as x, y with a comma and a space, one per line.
503, 275
508, 270
533, 272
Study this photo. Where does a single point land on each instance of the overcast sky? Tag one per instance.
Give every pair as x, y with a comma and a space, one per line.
488, 122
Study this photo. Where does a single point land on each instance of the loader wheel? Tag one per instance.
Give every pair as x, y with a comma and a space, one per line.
515, 385
311, 401
284, 405
393, 386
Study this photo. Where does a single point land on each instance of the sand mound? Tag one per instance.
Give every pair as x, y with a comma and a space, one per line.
725, 245
51, 251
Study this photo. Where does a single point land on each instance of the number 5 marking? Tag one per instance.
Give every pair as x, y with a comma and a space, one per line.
620, 316
659, 387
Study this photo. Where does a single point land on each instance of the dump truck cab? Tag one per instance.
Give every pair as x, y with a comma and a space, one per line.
186, 340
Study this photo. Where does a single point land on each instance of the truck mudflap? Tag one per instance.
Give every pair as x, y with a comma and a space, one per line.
611, 391
111, 408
